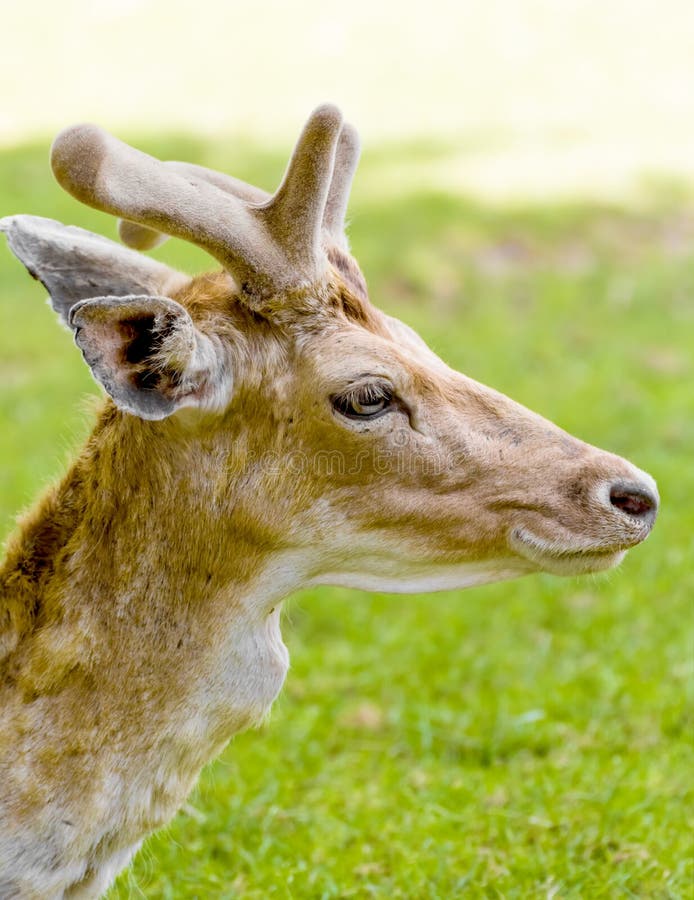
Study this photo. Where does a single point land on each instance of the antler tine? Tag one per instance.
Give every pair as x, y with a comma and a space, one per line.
295, 212
346, 160
140, 237
107, 174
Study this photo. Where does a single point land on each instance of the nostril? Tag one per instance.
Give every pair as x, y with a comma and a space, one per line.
634, 500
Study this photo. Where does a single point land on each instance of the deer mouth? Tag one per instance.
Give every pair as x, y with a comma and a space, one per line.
558, 559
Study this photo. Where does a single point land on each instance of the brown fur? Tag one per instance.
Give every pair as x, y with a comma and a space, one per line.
118, 587
140, 598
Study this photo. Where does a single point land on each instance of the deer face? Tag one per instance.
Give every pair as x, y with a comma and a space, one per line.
397, 472
408, 475
433, 480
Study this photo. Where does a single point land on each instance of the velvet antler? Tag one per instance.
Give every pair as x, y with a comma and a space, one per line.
346, 158
269, 245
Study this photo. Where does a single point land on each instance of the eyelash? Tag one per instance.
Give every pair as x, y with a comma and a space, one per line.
379, 396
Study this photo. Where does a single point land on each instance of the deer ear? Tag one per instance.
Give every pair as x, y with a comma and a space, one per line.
74, 264
149, 356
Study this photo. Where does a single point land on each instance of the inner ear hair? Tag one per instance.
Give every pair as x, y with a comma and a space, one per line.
145, 348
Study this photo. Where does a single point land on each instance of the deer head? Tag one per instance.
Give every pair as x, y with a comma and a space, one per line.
351, 438
267, 427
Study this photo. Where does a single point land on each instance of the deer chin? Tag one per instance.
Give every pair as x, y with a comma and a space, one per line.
406, 578
552, 557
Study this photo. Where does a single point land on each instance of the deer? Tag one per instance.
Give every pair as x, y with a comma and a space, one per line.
140, 598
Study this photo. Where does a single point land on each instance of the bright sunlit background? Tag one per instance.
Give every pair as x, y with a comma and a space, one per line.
526, 201
531, 98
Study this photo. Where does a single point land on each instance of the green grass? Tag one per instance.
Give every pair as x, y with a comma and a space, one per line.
530, 739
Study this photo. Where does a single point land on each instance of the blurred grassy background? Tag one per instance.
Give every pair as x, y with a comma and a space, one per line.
525, 201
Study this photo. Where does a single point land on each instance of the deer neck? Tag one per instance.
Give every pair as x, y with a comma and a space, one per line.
149, 562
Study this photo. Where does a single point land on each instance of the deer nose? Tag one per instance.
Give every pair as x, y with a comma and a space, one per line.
637, 501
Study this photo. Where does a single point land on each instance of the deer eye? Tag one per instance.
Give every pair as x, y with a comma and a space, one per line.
369, 401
